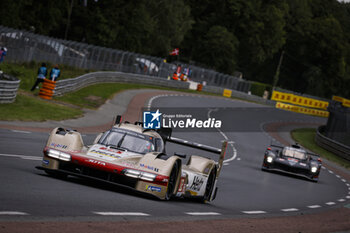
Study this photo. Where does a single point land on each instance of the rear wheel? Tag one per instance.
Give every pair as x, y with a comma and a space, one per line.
172, 180
210, 185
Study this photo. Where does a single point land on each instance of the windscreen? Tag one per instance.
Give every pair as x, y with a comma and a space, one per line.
130, 141
291, 152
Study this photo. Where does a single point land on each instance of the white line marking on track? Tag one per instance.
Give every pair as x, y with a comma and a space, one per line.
22, 157
330, 171
289, 210
12, 213
20, 131
341, 200
234, 155
338, 176
202, 213
330, 203
347, 197
323, 167
254, 212
313, 206
343, 180
347, 184
121, 213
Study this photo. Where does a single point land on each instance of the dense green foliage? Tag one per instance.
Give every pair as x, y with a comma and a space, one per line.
259, 88
244, 35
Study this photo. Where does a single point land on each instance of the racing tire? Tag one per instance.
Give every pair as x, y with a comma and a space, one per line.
172, 180
210, 185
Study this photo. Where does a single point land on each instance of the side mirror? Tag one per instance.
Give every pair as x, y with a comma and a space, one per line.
118, 119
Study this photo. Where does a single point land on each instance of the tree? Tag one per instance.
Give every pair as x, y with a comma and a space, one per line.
219, 49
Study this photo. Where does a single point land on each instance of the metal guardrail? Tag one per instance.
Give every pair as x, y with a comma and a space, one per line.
68, 85
24, 46
331, 145
8, 88
239, 95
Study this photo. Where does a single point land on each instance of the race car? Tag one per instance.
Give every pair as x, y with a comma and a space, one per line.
292, 160
134, 157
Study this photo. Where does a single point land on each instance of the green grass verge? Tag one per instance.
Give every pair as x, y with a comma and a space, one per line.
31, 108
95, 95
27, 108
306, 138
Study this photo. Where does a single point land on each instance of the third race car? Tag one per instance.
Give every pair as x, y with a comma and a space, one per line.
292, 160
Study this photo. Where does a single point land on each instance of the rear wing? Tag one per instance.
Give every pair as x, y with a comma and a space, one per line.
194, 145
221, 152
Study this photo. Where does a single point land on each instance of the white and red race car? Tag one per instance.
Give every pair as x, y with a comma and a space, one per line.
134, 157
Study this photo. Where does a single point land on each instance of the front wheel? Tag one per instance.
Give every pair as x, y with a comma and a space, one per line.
172, 180
210, 185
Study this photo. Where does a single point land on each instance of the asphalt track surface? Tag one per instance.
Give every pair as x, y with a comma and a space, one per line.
244, 190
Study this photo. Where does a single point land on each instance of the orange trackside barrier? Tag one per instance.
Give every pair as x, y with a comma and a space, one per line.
199, 87
47, 90
175, 76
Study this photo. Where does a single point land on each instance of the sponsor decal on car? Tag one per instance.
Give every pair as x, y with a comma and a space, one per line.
197, 183
99, 152
292, 161
149, 167
56, 145
153, 188
111, 150
96, 162
46, 162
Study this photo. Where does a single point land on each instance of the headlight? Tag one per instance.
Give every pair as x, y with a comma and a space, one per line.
139, 174
58, 155
313, 169
269, 159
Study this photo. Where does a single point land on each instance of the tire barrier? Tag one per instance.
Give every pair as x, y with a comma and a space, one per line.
48, 89
333, 146
8, 88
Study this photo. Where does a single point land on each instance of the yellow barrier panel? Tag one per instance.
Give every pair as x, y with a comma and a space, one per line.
298, 109
337, 98
298, 100
227, 93
345, 102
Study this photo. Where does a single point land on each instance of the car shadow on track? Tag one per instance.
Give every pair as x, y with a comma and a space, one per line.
100, 185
